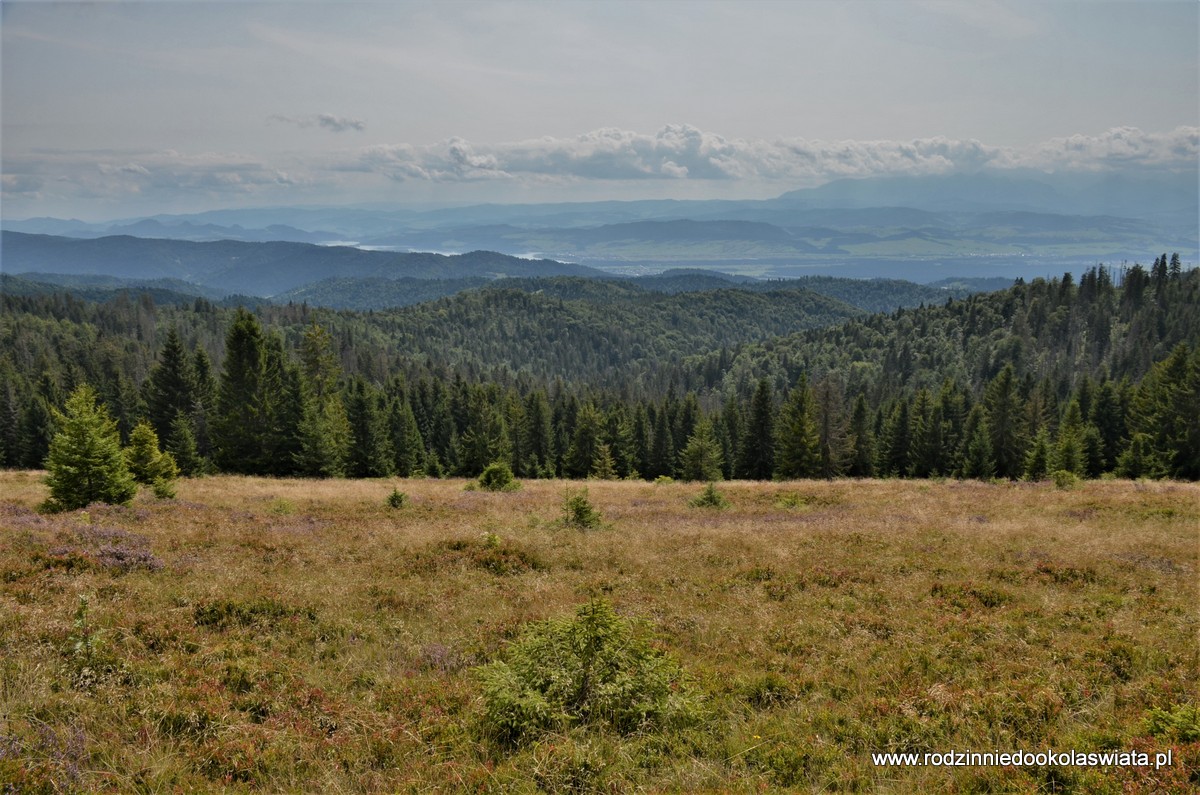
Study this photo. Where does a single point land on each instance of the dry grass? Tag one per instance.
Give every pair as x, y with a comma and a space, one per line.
302, 636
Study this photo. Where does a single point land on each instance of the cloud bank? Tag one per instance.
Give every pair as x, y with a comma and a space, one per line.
602, 164
684, 152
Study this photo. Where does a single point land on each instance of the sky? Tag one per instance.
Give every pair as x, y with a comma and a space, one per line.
118, 109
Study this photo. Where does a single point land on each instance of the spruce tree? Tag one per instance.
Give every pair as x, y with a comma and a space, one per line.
85, 463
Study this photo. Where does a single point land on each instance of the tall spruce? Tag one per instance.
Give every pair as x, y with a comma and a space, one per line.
370, 447
1004, 415
862, 441
701, 456
324, 429
798, 443
757, 449
241, 427
171, 386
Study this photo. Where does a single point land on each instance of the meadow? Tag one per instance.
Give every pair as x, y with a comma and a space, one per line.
302, 635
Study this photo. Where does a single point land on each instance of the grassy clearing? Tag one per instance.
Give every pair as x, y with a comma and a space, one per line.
300, 635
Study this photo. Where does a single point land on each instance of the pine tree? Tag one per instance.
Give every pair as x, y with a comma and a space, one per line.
701, 457
926, 436
324, 438
284, 398
85, 463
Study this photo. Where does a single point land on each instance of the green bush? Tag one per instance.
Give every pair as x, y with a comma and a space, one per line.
397, 499
1065, 479
1180, 723
498, 476
578, 511
710, 498
595, 670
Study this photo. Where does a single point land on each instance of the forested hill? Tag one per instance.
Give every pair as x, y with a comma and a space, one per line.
263, 269
1058, 330
1099, 373
581, 331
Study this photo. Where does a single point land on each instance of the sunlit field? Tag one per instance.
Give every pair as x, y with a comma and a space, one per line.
298, 635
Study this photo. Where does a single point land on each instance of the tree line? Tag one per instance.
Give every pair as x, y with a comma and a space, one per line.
1045, 377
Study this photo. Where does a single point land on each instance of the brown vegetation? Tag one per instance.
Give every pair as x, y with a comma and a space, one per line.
288, 635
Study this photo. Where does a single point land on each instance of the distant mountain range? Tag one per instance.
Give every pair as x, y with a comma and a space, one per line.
917, 228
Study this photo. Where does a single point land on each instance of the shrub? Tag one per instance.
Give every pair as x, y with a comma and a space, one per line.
594, 671
710, 498
1065, 479
397, 499
578, 511
498, 476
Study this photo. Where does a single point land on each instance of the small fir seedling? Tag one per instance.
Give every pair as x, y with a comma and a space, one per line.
397, 499
710, 498
578, 511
